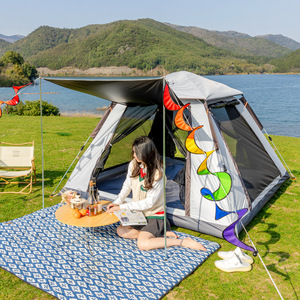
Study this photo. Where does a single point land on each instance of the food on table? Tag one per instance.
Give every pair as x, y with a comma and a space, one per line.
76, 213
83, 212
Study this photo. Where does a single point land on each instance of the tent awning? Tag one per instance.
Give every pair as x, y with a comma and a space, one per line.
125, 91
149, 91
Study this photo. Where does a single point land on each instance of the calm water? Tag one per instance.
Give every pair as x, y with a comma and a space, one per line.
274, 98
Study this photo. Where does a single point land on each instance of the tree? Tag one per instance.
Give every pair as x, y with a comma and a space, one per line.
13, 70
11, 57
29, 71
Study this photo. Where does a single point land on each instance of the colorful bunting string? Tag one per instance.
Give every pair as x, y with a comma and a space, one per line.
15, 100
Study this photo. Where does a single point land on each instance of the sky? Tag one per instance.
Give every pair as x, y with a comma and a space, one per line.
253, 17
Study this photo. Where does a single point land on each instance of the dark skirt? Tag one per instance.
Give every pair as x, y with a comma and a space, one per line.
154, 226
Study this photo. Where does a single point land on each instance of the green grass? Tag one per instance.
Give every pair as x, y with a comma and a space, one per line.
275, 230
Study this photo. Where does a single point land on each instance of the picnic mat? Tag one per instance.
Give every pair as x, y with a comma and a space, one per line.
33, 249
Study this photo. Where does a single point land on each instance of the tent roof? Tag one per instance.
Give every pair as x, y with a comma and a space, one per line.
148, 90
187, 85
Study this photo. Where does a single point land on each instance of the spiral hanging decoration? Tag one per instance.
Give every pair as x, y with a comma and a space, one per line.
229, 232
223, 177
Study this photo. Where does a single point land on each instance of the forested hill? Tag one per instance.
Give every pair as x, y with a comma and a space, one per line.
143, 44
281, 40
11, 38
288, 63
239, 43
3, 43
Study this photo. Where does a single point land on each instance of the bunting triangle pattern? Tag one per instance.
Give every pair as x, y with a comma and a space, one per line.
15, 100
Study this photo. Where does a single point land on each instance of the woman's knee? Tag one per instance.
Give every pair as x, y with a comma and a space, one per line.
127, 232
120, 231
143, 245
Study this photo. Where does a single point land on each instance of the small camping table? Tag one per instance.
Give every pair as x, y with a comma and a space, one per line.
64, 215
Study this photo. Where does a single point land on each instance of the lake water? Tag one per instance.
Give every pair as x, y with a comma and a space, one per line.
274, 98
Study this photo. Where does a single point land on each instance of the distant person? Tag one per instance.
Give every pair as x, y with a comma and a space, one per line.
145, 180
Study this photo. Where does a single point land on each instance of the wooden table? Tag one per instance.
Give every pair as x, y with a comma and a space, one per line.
65, 215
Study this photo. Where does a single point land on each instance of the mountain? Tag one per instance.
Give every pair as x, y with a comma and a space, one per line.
238, 43
146, 44
11, 39
288, 63
41, 39
233, 34
281, 40
3, 43
142, 44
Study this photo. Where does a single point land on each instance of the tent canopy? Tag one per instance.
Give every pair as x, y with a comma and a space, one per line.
228, 164
145, 91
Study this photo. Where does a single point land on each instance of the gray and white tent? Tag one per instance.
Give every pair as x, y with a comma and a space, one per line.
227, 170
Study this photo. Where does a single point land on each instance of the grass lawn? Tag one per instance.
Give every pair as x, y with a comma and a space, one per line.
274, 231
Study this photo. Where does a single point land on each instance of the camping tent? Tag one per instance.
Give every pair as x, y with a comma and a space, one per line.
227, 170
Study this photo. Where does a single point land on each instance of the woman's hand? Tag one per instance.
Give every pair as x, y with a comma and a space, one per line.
112, 207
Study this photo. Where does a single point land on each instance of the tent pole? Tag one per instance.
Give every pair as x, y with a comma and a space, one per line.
164, 178
42, 144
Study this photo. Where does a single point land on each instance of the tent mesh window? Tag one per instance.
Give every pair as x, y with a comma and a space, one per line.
136, 121
255, 165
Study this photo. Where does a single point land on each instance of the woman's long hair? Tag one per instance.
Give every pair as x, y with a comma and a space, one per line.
145, 150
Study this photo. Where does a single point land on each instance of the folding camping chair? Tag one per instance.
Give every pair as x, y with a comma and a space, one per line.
17, 161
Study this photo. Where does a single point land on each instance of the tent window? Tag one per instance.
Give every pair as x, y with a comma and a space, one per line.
136, 121
111, 168
256, 167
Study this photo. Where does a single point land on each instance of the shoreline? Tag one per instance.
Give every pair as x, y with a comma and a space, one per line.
101, 72
99, 112
125, 71
77, 114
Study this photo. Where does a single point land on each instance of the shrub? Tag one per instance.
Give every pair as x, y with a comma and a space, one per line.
16, 110
32, 108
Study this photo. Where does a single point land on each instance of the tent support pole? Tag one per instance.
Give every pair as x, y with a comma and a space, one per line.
164, 178
42, 144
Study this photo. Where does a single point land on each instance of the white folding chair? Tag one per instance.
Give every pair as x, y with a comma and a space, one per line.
17, 161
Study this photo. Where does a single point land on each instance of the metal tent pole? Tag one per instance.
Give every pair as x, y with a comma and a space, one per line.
42, 144
164, 177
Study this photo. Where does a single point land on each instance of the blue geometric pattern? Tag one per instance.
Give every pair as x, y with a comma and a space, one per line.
30, 249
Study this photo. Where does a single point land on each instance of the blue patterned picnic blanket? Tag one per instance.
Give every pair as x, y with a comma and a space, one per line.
32, 249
